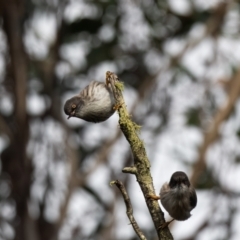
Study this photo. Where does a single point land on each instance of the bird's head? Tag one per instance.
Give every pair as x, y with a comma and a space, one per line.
72, 106
179, 180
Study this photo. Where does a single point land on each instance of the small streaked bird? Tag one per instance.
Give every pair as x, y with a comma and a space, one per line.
178, 197
95, 103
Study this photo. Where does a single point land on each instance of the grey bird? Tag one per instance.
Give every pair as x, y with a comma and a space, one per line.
95, 103
178, 197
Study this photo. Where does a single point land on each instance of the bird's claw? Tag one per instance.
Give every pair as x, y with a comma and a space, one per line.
153, 197
108, 75
117, 106
164, 225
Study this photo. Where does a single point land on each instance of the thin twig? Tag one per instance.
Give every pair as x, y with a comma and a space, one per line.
129, 209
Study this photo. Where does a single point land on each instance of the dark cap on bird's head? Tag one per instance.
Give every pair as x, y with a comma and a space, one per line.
72, 105
179, 178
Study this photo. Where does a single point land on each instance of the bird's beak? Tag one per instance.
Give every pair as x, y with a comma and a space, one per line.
71, 114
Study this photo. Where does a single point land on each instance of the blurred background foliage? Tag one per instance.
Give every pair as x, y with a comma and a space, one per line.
179, 61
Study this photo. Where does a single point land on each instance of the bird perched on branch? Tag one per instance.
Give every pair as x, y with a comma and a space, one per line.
178, 197
95, 103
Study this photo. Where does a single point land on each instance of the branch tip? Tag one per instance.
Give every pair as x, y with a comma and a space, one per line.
112, 183
131, 170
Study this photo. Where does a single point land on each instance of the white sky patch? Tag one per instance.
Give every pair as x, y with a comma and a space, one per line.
106, 33
175, 149
197, 32
215, 232
135, 30
152, 122
98, 72
130, 96
8, 211
81, 214
94, 134
182, 7
77, 9
230, 48
37, 191
186, 142
7, 230
44, 26
196, 58
154, 61
74, 122
140, 209
236, 229
163, 160
115, 161
99, 180
222, 155
3, 41
54, 131
123, 229
6, 104
40, 33
35, 104
63, 69
52, 207
125, 62
35, 46
2, 67
49, 158
232, 20
174, 46
205, 5
185, 95
218, 71
3, 49
75, 53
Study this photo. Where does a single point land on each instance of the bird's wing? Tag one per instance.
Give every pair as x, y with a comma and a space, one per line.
193, 198
88, 91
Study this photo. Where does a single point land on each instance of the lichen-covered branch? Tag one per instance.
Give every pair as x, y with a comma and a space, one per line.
141, 168
129, 209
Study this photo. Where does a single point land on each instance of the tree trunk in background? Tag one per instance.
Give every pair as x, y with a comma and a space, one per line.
14, 159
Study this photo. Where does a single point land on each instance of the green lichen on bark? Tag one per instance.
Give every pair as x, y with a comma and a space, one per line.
119, 85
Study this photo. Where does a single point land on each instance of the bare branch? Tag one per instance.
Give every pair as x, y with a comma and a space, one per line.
129, 208
141, 162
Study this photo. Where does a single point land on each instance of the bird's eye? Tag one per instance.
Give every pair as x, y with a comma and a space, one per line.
74, 106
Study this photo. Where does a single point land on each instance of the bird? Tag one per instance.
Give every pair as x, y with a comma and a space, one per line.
178, 197
95, 103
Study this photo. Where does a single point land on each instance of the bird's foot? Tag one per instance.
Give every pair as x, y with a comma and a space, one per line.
107, 81
153, 197
164, 225
117, 106
108, 76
